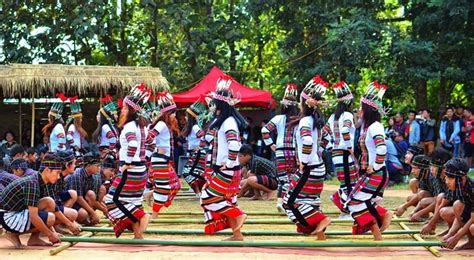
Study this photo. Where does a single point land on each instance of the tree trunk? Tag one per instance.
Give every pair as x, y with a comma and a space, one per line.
421, 94
122, 59
154, 39
443, 96
230, 42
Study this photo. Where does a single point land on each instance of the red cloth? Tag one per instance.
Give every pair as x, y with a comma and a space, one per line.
249, 97
336, 199
220, 221
363, 222
313, 222
126, 223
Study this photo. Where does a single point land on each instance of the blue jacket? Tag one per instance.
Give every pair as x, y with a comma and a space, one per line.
414, 136
392, 154
450, 136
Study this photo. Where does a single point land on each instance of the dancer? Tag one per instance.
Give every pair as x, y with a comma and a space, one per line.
75, 133
341, 130
55, 128
124, 199
284, 146
302, 202
165, 181
364, 202
193, 171
106, 135
219, 195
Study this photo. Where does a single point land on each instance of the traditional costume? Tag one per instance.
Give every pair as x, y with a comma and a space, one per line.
302, 202
285, 142
193, 171
341, 132
219, 195
57, 137
457, 168
364, 200
73, 136
124, 199
163, 175
108, 138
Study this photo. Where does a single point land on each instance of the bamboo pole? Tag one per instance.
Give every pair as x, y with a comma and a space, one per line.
350, 243
70, 244
417, 237
67, 244
249, 221
244, 232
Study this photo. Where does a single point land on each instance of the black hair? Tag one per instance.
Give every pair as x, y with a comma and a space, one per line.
190, 122
30, 151
341, 108
412, 112
468, 109
314, 112
440, 156
16, 149
290, 111
9, 132
102, 122
226, 112
369, 115
246, 149
457, 164
427, 110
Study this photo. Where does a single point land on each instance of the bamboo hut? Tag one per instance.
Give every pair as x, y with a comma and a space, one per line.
26, 81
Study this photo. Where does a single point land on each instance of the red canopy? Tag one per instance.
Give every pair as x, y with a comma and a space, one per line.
249, 97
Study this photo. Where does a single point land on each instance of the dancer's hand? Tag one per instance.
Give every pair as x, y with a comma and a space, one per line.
301, 167
370, 170
273, 147
125, 167
427, 229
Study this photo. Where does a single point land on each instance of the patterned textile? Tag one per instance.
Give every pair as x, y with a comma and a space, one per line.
302, 202
23, 193
363, 201
124, 199
165, 182
219, 199
82, 182
193, 171
261, 166
346, 172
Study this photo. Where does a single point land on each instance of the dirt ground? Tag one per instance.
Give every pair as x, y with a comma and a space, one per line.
85, 251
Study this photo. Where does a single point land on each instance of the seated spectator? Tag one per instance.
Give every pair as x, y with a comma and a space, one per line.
31, 157
261, 173
5, 177
16, 152
18, 167
9, 139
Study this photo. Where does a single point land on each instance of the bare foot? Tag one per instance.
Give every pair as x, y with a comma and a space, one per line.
36, 241
154, 215
269, 195
15, 240
256, 197
319, 231
234, 238
239, 221
467, 245
61, 230
399, 211
387, 219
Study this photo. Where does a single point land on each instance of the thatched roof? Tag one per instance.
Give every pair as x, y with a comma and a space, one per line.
48, 79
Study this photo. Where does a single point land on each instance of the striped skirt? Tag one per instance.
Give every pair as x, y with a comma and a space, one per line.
219, 199
193, 171
16, 221
125, 196
286, 167
346, 172
165, 182
364, 201
302, 202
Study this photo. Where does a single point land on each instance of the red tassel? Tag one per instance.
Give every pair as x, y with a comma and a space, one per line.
73, 99
62, 96
318, 80
339, 84
120, 102
106, 99
292, 86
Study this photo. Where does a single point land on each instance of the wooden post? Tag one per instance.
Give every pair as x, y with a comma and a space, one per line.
20, 124
33, 119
